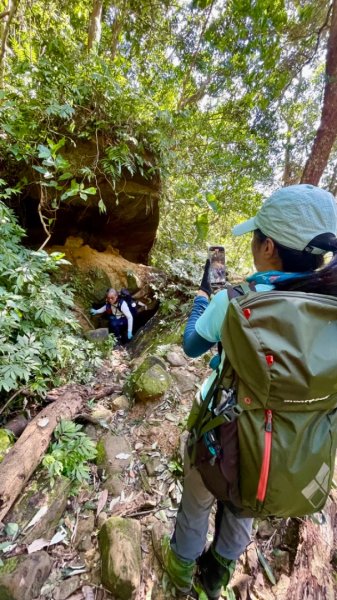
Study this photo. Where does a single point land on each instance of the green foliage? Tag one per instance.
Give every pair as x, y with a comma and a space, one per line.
205, 95
118, 158
176, 468
179, 252
40, 339
70, 453
169, 306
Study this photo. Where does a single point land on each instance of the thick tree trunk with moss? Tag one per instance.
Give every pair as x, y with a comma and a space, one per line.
95, 24
20, 463
327, 131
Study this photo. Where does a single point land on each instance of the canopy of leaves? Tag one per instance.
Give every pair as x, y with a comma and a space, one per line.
223, 95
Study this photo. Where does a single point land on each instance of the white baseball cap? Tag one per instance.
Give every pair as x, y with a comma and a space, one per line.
293, 216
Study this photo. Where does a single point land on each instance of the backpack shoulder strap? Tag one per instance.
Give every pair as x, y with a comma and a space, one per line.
120, 301
239, 290
235, 291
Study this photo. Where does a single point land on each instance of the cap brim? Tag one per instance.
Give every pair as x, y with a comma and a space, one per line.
244, 227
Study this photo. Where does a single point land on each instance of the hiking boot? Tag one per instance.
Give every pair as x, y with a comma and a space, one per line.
214, 572
180, 571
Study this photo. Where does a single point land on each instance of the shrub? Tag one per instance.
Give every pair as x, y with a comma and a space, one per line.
40, 340
69, 454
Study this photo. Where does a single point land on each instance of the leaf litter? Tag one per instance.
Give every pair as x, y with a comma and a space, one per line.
153, 431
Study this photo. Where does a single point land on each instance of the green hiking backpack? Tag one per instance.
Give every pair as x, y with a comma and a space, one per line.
265, 437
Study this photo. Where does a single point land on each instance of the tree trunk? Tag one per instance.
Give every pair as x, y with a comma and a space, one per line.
332, 186
185, 97
287, 171
327, 131
20, 463
115, 33
314, 569
95, 28
7, 17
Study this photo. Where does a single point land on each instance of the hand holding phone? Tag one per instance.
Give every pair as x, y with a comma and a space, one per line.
217, 271
205, 284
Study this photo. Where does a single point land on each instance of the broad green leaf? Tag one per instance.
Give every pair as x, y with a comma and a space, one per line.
55, 147
12, 530
5, 546
44, 151
201, 224
42, 170
267, 568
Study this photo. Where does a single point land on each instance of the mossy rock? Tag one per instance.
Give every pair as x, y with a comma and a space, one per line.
158, 335
9, 565
22, 577
97, 336
101, 453
150, 380
119, 543
39, 493
5, 594
91, 285
133, 283
6, 441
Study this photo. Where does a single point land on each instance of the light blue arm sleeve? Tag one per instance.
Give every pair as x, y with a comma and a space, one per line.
210, 322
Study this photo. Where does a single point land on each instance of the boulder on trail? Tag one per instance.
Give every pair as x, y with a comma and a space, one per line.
22, 577
113, 456
119, 542
150, 380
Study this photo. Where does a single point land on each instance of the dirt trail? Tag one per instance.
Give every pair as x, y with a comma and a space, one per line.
151, 491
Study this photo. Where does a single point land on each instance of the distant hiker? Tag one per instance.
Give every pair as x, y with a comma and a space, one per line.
119, 313
263, 434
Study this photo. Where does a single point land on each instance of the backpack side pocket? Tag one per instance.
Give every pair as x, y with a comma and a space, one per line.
219, 463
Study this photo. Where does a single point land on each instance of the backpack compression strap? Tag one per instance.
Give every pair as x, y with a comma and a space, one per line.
200, 426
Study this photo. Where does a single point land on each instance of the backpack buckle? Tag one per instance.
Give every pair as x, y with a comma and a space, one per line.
231, 413
227, 407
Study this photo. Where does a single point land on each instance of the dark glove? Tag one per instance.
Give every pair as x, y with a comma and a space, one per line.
205, 285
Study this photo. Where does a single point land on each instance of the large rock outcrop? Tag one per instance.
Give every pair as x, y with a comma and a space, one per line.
132, 212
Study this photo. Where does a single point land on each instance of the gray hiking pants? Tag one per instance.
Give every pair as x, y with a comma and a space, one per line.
189, 538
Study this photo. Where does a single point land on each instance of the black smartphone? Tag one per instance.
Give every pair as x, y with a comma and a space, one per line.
217, 271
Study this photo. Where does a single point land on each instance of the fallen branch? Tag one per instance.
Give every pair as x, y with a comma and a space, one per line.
140, 505
107, 392
80, 312
20, 463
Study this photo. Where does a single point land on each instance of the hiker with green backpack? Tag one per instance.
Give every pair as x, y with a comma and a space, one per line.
262, 438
